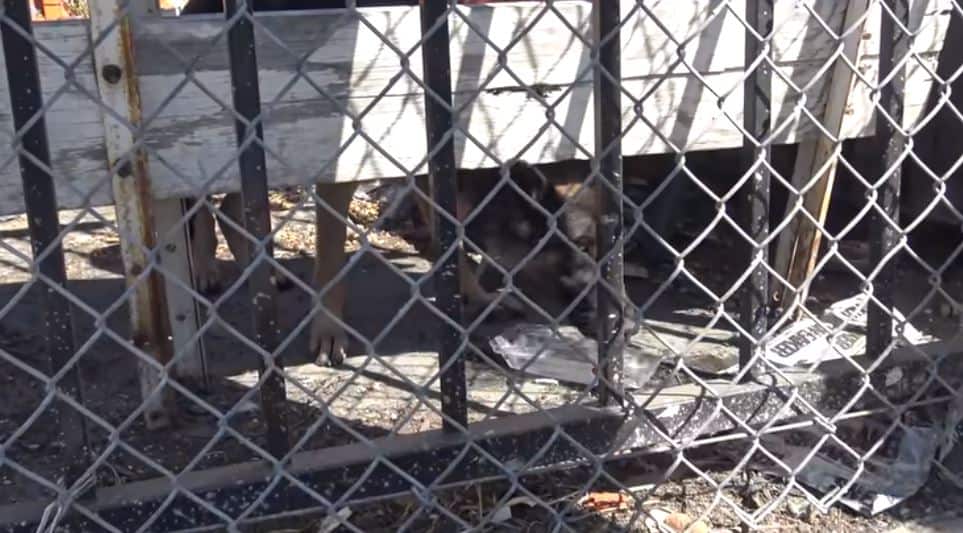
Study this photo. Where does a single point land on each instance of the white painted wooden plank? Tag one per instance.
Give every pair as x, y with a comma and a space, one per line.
815, 169
192, 134
182, 308
130, 180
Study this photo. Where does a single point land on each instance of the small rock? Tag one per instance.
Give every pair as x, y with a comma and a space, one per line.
682, 522
332, 522
798, 507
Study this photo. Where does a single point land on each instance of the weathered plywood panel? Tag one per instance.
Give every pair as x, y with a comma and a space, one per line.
316, 66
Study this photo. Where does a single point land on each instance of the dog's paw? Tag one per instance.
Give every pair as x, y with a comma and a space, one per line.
508, 307
281, 282
208, 280
514, 304
329, 343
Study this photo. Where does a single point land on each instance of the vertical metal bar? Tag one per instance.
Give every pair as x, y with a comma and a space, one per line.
130, 180
610, 291
893, 47
257, 215
26, 101
756, 120
443, 174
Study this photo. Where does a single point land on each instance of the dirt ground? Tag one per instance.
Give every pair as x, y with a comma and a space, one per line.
374, 396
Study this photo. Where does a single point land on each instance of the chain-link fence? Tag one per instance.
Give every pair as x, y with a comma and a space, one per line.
521, 265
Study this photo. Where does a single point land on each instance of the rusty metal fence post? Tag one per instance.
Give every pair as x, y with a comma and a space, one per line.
257, 216
757, 107
608, 156
40, 195
885, 232
442, 175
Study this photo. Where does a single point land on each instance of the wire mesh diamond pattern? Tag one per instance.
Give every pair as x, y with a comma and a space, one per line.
479, 265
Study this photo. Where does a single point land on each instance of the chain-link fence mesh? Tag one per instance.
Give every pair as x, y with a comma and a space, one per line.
567, 266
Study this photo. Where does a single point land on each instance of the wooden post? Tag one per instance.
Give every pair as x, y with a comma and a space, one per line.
173, 234
119, 91
815, 170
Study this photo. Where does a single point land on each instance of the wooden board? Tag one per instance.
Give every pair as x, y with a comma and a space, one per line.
345, 65
815, 173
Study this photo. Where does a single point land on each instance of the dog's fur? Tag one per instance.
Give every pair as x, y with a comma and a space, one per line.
507, 220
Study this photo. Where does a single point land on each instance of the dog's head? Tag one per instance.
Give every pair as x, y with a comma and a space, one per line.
541, 233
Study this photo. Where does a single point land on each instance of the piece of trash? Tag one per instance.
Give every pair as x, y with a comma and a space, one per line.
706, 348
798, 506
683, 522
630, 270
674, 521
331, 522
950, 451
895, 471
568, 355
669, 411
809, 341
893, 376
719, 363
605, 501
504, 513
248, 407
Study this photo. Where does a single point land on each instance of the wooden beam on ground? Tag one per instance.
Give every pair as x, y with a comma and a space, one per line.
815, 170
118, 90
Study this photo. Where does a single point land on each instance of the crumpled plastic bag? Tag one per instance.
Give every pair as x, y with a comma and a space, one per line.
567, 356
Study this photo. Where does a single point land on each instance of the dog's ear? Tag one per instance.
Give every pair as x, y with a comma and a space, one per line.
529, 179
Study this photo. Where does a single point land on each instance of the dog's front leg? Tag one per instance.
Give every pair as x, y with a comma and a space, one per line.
232, 207
329, 342
204, 249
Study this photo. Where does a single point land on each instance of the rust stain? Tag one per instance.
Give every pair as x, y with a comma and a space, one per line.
151, 313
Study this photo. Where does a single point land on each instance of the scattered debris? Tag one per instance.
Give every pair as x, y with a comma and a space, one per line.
706, 348
332, 522
248, 407
396, 202
504, 513
605, 501
631, 270
677, 522
950, 454
364, 212
285, 199
567, 355
869, 485
839, 332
